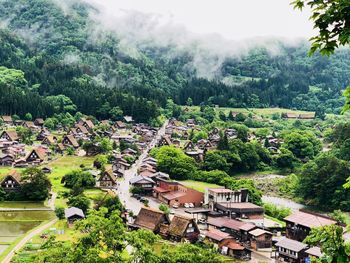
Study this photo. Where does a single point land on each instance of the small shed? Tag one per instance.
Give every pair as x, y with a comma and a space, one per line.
73, 214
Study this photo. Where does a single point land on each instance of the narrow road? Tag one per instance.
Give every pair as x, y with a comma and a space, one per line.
26, 238
52, 200
124, 185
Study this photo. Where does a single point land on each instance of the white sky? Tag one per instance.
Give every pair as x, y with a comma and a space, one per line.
233, 19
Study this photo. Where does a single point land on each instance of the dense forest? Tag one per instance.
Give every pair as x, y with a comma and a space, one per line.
52, 61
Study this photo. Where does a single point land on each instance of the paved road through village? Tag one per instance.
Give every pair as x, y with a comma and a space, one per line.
123, 189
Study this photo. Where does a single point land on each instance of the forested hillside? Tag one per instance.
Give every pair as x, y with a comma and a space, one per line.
46, 51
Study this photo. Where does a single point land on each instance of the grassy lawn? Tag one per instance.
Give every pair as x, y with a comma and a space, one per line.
199, 186
258, 111
62, 166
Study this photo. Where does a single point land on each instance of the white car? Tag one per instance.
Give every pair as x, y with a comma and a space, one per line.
187, 205
191, 205
175, 206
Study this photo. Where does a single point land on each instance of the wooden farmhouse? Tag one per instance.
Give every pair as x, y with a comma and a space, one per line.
10, 136
11, 182
150, 219
107, 180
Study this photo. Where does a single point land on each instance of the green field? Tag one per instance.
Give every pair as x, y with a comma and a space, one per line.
199, 186
257, 111
11, 204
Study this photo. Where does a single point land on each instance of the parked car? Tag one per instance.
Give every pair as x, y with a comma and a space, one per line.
137, 196
175, 206
171, 212
191, 205
187, 205
142, 199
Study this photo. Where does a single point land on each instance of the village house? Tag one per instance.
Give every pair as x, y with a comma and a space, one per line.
237, 229
60, 148
35, 156
227, 245
129, 151
204, 144
313, 253
73, 214
181, 229
144, 183
197, 155
290, 115
107, 180
288, 250
120, 163
9, 136
232, 203
11, 182
307, 116
120, 125
173, 193
231, 133
70, 141
191, 122
49, 140
150, 219
147, 171
87, 124
299, 224
159, 176
7, 159
7, 120
20, 163
216, 236
189, 146
30, 125
260, 239
42, 134
128, 119
79, 129
165, 141
39, 122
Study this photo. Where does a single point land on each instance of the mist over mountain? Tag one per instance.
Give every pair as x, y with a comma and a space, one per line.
136, 61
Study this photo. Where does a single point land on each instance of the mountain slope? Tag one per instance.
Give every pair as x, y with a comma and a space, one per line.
66, 52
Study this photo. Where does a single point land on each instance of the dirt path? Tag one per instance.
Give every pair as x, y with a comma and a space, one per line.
51, 202
26, 238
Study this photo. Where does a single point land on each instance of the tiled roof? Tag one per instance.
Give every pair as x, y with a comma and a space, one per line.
217, 235
309, 220
291, 244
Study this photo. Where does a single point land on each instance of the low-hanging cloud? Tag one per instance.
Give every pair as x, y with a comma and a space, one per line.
137, 31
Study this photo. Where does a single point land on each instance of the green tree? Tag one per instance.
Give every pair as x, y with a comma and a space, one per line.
80, 201
61, 104
331, 20
28, 117
199, 136
285, 159
78, 178
59, 211
303, 144
215, 161
36, 186
175, 162
164, 208
25, 135
116, 113
321, 183
189, 102
330, 239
